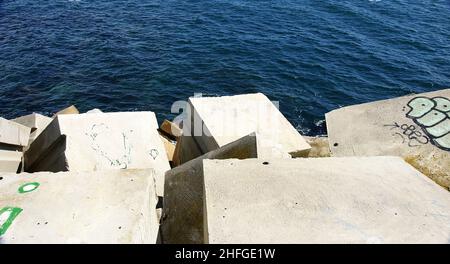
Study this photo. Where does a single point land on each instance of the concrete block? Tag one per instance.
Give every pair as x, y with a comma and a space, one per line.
110, 206
415, 127
10, 160
323, 200
186, 149
169, 146
183, 197
87, 142
171, 129
36, 122
68, 111
94, 111
12, 133
217, 121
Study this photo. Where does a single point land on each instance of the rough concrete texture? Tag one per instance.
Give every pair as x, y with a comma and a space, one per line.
12, 133
36, 122
183, 196
415, 127
110, 206
68, 111
10, 160
323, 200
228, 118
86, 142
186, 149
320, 147
169, 146
171, 129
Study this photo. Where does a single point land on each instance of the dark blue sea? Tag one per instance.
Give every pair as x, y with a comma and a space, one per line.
312, 56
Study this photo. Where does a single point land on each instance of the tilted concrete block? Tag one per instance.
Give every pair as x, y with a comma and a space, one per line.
110, 206
36, 122
183, 196
217, 121
186, 149
86, 142
323, 200
415, 127
12, 133
71, 110
171, 129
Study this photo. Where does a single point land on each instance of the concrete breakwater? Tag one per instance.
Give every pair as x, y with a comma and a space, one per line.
233, 171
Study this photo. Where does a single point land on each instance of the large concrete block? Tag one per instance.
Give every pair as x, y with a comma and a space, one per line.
36, 122
183, 196
12, 133
217, 121
323, 200
87, 142
110, 206
71, 110
186, 149
10, 160
415, 127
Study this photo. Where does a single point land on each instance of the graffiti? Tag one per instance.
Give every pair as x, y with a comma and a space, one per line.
28, 187
101, 144
409, 134
432, 115
154, 153
7, 216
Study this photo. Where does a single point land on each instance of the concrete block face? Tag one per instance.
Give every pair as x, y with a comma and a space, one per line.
217, 121
71, 110
415, 127
110, 206
88, 142
186, 149
183, 197
323, 200
10, 160
171, 129
12, 133
36, 122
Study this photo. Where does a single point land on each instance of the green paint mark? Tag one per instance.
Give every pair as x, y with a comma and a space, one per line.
28, 187
7, 216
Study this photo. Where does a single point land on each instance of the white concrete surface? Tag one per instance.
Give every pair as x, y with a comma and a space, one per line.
87, 142
323, 200
10, 160
415, 127
217, 121
183, 193
36, 122
110, 206
13, 133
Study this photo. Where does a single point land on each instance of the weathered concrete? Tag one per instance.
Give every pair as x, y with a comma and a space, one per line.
169, 146
323, 200
415, 127
10, 160
111, 206
86, 142
36, 122
319, 147
68, 111
171, 129
186, 149
227, 118
13, 133
183, 196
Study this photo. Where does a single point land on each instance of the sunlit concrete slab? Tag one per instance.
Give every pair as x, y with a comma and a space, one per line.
183, 193
217, 121
71, 110
110, 206
10, 160
36, 122
415, 127
323, 200
13, 133
87, 142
